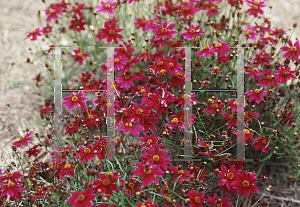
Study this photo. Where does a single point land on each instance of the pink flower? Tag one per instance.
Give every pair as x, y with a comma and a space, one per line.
255, 7
164, 30
107, 7
125, 81
157, 157
224, 202
207, 51
147, 204
23, 141
292, 52
33, 151
81, 199
52, 12
196, 199
193, 32
269, 78
148, 173
221, 48
80, 56
11, 189
284, 74
75, 101
34, 33
128, 128
86, 154
256, 95
110, 32
262, 143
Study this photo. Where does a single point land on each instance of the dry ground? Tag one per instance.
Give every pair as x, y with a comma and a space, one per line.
17, 88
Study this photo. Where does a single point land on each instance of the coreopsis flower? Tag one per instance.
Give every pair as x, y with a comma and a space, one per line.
231, 120
248, 136
149, 141
106, 184
39, 193
204, 148
64, 5
77, 10
33, 151
214, 107
110, 32
269, 39
77, 24
256, 95
80, 56
23, 141
156, 157
284, 74
67, 169
132, 187
147, 203
268, 80
255, 7
183, 175
137, 113
192, 32
86, 154
262, 58
251, 115
125, 80
245, 183
82, 199
143, 24
72, 128
254, 73
128, 127
207, 51
45, 109
216, 202
187, 9
75, 101
198, 172
235, 106
212, 9
234, 3
11, 177
164, 30
287, 121
221, 48
148, 173
186, 98
34, 33
228, 176
107, 7
52, 12
196, 199
13, 190
251, 33
262, 143
292, 52
125, 50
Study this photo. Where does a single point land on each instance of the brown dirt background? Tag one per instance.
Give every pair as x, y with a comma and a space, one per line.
17, 86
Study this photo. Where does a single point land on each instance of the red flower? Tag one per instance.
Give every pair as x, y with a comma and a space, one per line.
250, 33
107, 7
67, 169
77, 24
106, 183
132, 187
23, 141
157, 157
248, 136
142, 23
149, 141
255, 7
231, 120
148, 173
11, 189
184, 175
13, 177
34, 33
216, 202
221, 48
196, 199
262, 142
207, 51
75, 101
80, 56
254, 73
86, 154
164, 30
128, 128
125, 80
82, 199
228, 177
110, 32
45, 109
187, 9
52, 12
33, 151
147, 204
77, 10
214, 107
292, 52
246, 184
193, 32
72, 128
269, 78
256, 95
284, 74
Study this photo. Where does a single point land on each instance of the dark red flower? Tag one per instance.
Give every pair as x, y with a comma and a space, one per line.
216, 202
82, 199
284, 74
263, 144
256, 95
110, 32
245, 184
148, 173
183, 175
33, 151
157, 157
207, 51
228, 177
106, 184
86, 154
292, 52
77, 24
147, 203
196, 199
23, 141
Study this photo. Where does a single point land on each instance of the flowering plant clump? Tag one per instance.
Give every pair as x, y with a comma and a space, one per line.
124, 139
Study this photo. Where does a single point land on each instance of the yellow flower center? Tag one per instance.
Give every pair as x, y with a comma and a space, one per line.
67, 166
44, 107
246, 131
127, 77
164, 30
245, 183
74, 99
257, 90
9, 175
80, 197
131, 185
286, 73
106, 182
155, 158
255, 7
143, 205
33, 31
254, 69
37, 191
215, 106
197, 199
230, 116
230, 176
128, 124
76, 8
144, 52
162, 71
80, 54
150, 141
181, 172
192, 31
269, 36
219, 205
213, 8
143, 91
185, 9
209, 101
107, 6
293, 49
175, 120
149, 94
21, 138
249, 32
117, 60
206, 47
264, 142
218, 45
147, 172
172, 64
10, 184
111, 32
52, 11
139, 111
235, 103
159, 63
87, 150
269, 77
